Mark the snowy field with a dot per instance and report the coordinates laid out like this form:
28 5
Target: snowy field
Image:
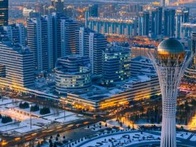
24 120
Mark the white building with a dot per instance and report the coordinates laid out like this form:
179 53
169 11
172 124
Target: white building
16 64
170 61
40 41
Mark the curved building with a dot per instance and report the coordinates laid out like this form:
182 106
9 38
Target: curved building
73 74
170 61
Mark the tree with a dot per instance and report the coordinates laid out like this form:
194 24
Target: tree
34 108
6 119
24 105
44 110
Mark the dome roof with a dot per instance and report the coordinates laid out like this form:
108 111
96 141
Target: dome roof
170 46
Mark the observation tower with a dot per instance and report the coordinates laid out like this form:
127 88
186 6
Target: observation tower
170 61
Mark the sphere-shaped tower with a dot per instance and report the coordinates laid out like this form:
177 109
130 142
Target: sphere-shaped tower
170 61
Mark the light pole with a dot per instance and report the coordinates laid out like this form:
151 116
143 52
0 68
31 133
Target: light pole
30 119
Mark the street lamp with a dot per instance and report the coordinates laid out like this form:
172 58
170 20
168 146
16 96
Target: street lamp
64 109
30 119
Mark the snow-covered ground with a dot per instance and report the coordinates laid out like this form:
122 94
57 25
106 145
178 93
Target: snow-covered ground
193 138
118 140
22 119
183 135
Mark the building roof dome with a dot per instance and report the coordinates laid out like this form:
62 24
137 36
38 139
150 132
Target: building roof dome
170 46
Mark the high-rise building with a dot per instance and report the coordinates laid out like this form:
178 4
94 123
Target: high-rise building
143 23
16 33
16 65
170 62
187 30
93 10
97 44
73 74
182 16
169 22
4 12
58 5
68 36
156 22
92 44
164 3
82 41
40 42
116 64
64 35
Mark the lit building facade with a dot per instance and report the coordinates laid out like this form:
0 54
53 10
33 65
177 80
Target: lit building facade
170 62
139 88
4 13
16 66
116 64
72 74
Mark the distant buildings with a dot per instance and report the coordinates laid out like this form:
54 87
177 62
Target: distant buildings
16 65
156 22
169 22
4 13
181 17
190 72
187 30
93 10
109 26
144 23
58 5
73 74
16 33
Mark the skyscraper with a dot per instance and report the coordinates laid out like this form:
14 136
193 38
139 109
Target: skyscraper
3 12
164 3
92 44
156 22
181 16
40 41
16 65
16 33
143 24
170 61
97 44
58 5
169 22
93 10
68 34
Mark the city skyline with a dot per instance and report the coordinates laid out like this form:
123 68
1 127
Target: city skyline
81 73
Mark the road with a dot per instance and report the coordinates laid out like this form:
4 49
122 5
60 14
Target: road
59 128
